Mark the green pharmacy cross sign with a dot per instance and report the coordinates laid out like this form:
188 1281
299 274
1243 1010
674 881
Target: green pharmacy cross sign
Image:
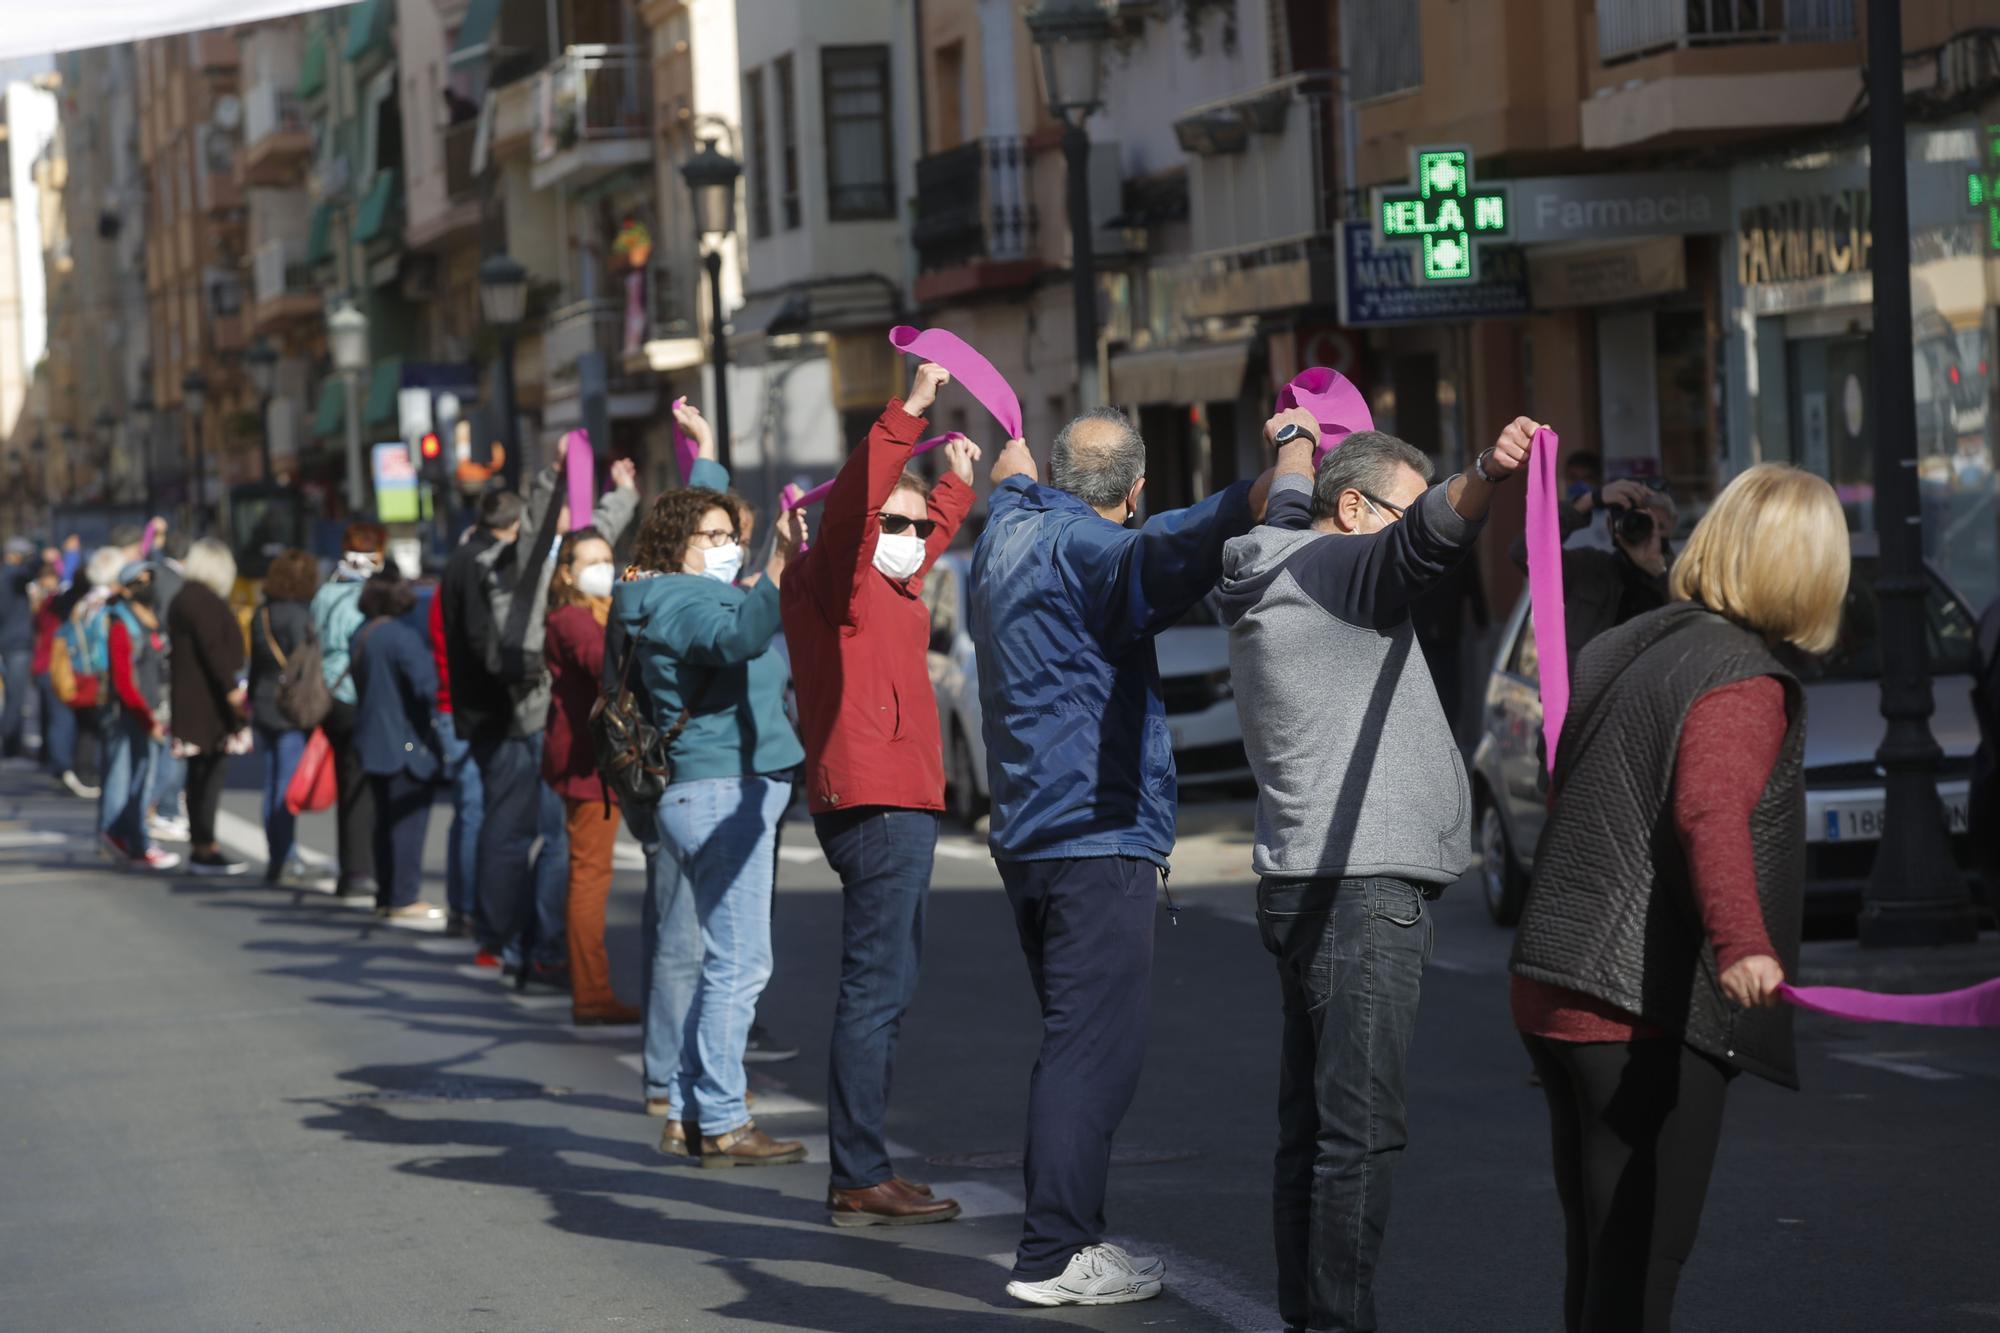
1982 189
1445 214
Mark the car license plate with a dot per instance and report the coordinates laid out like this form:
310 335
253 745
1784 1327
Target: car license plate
1862 821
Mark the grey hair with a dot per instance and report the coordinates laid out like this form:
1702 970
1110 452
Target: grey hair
102 570
213 565
1365 461
1101 468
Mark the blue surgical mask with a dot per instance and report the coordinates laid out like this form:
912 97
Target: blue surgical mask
723 563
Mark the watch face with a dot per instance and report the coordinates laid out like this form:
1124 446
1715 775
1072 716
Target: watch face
1292 431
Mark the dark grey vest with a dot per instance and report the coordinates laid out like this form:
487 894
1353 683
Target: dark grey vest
1611 911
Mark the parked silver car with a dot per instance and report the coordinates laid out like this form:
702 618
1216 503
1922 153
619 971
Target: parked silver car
1843 728
1194 684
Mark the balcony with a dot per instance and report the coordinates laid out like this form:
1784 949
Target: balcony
276 143
1629 28
672 337
975 220
600 325
1260 165
282 291
460 181
592 115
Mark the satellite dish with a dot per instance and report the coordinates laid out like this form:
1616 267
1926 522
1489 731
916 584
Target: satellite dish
229 112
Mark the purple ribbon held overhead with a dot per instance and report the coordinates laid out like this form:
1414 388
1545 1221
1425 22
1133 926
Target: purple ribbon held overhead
1545 587
1974 1007
972 371
1335 403
581 467
685 449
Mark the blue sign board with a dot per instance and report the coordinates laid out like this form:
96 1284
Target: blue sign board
1379 285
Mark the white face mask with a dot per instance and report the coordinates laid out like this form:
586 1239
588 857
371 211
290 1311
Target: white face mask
899 555
723 562
595 580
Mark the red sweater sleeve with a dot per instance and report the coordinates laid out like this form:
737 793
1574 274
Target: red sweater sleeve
1729 745
438 651
122 679
843 551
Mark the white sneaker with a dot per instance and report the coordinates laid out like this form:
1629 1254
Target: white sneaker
1145 1265
162 829
1097 1275
78 787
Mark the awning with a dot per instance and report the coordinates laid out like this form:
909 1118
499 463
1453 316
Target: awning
371 223
761 315
312 71
384 381
368 26
475 34
319 234
1193 373
332 411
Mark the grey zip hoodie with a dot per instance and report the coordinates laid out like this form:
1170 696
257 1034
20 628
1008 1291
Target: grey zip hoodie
1357 770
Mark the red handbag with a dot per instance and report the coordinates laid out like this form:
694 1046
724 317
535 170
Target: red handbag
312 786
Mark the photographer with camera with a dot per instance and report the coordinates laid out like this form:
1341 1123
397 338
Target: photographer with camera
1615 556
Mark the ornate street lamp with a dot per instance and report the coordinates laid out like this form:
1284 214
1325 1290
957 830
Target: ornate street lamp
262 362
347 333
711 177
194 396
503 300
1071 36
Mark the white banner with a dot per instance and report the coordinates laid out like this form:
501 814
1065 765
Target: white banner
33 28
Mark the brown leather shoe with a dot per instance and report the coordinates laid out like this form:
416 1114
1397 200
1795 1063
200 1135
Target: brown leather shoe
659 1106
748 1145
889 1204
914 1187
604 1015
674 1138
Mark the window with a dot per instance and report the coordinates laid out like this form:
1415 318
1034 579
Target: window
1385 54
951 94
788 139
759 131
854 90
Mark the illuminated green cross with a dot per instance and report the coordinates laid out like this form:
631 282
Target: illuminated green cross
1445 213
1982 190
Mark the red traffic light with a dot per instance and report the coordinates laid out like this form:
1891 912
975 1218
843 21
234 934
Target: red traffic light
430 446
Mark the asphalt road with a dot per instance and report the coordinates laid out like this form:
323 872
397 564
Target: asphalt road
232 1108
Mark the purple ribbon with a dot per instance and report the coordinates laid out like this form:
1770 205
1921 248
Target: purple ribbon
1974 1007
1545 587
818 493
1335 403
685 449
581 467
968 367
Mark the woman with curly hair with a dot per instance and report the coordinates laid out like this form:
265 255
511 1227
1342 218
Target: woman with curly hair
703 670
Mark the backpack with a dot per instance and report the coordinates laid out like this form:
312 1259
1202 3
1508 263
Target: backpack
634 757
72 673
303 697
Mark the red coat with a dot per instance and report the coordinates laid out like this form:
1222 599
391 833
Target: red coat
575 650
858 640
437 651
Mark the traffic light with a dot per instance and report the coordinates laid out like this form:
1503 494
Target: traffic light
430 456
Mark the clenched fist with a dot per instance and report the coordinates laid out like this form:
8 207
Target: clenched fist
1752 983
924 389
959 455
1509 453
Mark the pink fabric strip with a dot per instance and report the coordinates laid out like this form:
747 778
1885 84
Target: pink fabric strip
968 367
582 470
149 536
818 493
1545 587
685 449
1974 1007
1335 403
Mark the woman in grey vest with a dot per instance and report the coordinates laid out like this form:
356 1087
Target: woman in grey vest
1647 965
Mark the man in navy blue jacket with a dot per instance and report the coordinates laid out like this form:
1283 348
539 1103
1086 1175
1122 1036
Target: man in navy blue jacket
1066 599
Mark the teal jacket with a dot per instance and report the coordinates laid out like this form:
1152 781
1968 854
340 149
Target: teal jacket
336 614
707 647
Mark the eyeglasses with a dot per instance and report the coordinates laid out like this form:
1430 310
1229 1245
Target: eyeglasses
714 537
1396 511
898 524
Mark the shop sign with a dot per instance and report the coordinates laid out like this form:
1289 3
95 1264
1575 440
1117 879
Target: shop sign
395 484
1606 274
1550 209
1379 285
1795 240
1982 189
1444 217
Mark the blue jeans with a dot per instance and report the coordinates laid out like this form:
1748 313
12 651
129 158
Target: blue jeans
520 808
1351 956
168 781
128 773
58 729
17 667
468 812
883 858
402 816
721 832
670 964
282 751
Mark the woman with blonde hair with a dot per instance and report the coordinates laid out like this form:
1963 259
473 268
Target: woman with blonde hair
208 693
1667 896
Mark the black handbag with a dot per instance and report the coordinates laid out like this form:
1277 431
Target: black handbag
634 757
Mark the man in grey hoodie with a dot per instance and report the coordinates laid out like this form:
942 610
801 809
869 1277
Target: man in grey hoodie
1362 814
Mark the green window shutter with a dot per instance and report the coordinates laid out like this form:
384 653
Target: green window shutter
332 412
319 235
312 73
377 210
368 26
475 35
383 383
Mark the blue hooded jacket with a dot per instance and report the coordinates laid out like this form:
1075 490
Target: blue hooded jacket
1064 608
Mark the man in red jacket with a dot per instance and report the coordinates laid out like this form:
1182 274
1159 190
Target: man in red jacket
858 632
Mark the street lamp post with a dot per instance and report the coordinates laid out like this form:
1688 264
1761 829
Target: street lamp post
194 394
347 331
503 300
105 429
1071 35
262 361
711 177
1916 893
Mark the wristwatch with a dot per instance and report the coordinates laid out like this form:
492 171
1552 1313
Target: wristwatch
1290 431
1479 466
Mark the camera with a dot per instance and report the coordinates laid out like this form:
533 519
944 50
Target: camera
1631 524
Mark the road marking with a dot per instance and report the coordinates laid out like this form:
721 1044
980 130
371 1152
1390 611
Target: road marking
799 855
1895 1063
30 838
524 1000
245 837
959 851
981 1198
450 948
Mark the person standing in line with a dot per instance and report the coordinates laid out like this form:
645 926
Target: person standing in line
336 614
1647 963
468 805
281 628
135 657
22 563
1362 805
1066 600
703 664
854 616
81 607
58 720
208 691
580 602
395 682
166 804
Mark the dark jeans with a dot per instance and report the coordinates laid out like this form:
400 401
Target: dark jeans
58 729
282 752
883 858
204 793
402 816
17 665
354 813
1086 927
1635 1126
512 881
1351 956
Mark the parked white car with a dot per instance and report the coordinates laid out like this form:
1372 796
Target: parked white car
1194 684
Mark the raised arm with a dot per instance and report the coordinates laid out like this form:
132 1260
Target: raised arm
1134 584
842 555
951 499
728 633
617 507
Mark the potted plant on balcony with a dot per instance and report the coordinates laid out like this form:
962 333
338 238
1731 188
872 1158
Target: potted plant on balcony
633 247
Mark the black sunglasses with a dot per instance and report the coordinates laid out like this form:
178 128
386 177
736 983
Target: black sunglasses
1380 503
898 524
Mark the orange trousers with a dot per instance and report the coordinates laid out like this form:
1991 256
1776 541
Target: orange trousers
591 835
